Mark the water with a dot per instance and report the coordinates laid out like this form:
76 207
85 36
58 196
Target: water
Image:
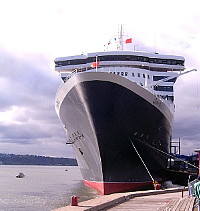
43 188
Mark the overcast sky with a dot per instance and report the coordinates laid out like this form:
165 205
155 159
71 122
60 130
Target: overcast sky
34 32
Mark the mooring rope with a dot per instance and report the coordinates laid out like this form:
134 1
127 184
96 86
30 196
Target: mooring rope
143 162
168 154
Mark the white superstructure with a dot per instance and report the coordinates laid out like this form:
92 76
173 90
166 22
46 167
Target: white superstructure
148 70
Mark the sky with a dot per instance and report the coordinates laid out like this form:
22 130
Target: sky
33 33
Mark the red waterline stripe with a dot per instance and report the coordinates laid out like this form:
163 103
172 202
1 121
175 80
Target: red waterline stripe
114 187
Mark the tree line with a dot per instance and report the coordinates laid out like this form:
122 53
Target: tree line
12 159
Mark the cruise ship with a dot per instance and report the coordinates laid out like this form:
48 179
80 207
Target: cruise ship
117 108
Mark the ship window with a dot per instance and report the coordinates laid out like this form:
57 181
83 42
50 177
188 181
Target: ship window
64 79
113 72
118 73
128 58
171 98
146 59
143 75
148 76
80 150
133 74
122 74
164 61
151 60
169 62
141 59
177 62
126 73
157 78
138 74
159 61
173 62
180 62
71 62
164 88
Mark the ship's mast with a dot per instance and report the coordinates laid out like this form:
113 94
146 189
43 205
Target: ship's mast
121 47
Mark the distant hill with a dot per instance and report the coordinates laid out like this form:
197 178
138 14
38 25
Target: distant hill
12 159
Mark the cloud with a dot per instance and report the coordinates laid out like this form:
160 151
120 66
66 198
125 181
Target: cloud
43 146
27 114
187 112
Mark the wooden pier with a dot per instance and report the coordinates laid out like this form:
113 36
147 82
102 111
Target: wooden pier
174 199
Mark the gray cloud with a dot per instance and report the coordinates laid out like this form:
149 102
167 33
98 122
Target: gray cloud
187 113
30 86
26 82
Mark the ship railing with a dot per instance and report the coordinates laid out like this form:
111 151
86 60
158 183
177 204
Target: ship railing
78 71
101 69
73 73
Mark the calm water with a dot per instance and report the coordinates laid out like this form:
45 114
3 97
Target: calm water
43 187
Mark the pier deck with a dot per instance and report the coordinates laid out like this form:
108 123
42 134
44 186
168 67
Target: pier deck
170 199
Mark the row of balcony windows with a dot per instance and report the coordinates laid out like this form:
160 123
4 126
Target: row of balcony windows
120 58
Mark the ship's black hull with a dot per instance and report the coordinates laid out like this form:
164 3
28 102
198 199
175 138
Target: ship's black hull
116 129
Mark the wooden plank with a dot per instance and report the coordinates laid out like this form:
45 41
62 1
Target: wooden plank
183 204
190 203
170 205
177 205
163 202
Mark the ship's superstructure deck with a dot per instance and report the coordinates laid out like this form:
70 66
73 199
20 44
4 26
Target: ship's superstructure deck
149 70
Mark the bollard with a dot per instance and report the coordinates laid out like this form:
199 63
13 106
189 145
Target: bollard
74 200
182 191
156 186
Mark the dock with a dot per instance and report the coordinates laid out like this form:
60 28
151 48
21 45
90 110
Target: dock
172 199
